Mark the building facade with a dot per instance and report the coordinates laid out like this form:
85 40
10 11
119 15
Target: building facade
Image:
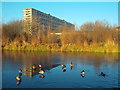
44 20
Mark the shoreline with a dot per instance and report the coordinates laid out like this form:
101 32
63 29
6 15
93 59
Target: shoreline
64 48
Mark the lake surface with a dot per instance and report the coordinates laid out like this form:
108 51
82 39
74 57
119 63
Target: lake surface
57 77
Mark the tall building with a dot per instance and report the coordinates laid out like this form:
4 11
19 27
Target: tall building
44 20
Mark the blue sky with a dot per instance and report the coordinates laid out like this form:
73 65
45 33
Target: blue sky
74 12
60 0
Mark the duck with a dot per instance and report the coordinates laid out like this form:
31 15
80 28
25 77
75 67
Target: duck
103 74
63 65
82 72
42 76
71 64
18 78
42 71
40 66
20 70
34 66
20 74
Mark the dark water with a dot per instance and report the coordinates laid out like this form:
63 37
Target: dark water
56 77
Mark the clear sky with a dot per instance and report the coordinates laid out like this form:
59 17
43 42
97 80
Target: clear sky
74 12
60 0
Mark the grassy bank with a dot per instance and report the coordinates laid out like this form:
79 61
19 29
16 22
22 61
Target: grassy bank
63 48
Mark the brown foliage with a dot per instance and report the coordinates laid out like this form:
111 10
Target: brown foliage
88 34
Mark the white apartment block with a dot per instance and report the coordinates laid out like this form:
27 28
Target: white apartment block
30 14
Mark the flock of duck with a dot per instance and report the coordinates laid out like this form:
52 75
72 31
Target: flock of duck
42 71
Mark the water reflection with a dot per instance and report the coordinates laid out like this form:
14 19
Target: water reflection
28 71
71 67
18 82
103 74
18 78
82 75
64 70
42 76
51 60
34 70
39 64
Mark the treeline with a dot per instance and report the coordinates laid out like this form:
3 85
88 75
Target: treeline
98 36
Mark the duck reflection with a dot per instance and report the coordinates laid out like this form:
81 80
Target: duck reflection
18 78
102 74
20 74
71 65
18 82
42 76
63 67
34 70
82 75
64 70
